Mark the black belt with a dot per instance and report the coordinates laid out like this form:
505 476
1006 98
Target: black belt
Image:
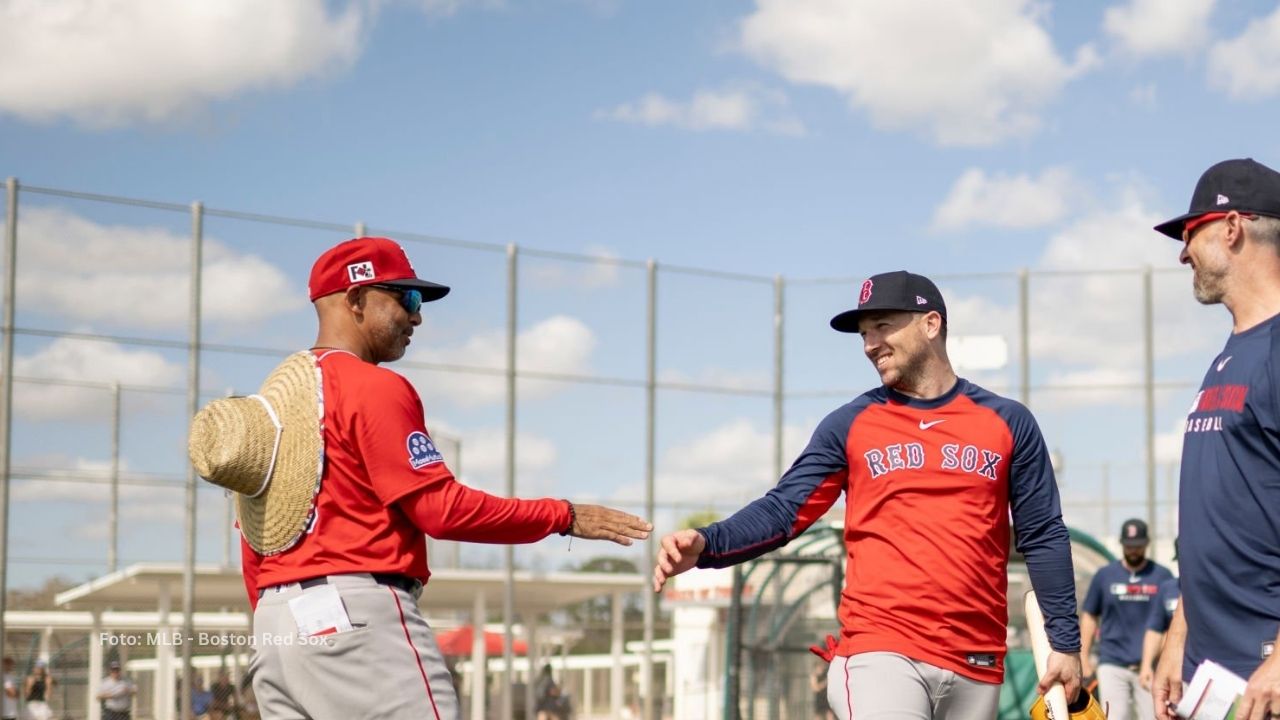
402 582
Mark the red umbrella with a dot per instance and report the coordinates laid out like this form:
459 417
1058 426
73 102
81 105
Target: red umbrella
459 641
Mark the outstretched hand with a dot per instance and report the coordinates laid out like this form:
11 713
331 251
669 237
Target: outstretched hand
678 552
597 522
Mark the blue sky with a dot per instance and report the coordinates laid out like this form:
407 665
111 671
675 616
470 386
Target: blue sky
804 138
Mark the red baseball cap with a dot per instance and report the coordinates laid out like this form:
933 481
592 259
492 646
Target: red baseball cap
368 261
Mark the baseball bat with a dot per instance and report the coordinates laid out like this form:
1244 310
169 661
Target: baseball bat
1055 700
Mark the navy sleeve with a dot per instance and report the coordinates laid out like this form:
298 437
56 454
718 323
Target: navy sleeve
1156 619
1040 534
1270 418
1161 616
1093 598
804 494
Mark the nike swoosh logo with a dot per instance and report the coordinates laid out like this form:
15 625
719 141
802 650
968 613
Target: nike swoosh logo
1223 363
926 425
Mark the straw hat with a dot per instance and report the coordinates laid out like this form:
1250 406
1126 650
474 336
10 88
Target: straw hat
268 449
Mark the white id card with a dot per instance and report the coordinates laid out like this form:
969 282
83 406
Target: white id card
320 612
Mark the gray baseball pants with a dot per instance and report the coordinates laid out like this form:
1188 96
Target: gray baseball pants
889 686
388 666
1117 685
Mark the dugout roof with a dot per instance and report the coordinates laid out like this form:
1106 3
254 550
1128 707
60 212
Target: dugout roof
142 587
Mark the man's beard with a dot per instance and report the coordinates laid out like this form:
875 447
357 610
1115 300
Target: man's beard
1206 285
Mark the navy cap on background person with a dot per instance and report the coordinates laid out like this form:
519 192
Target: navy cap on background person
1133 533
1244 185
898 290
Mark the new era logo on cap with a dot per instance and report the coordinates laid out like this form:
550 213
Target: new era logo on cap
1223 199
921 301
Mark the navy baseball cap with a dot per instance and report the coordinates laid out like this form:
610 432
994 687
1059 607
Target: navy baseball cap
1244 185
898 290
1134 533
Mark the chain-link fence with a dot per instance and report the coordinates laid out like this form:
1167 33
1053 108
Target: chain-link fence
660 389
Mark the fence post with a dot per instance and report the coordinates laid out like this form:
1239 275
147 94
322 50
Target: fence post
6 407
1024 339
1149 392
113 514
193 404
650 444
509 555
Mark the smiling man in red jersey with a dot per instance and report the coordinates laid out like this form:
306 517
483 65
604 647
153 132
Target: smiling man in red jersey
930 466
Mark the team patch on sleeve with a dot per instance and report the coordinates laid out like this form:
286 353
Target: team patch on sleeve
422 451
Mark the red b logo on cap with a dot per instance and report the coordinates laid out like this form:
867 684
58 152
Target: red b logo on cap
865 295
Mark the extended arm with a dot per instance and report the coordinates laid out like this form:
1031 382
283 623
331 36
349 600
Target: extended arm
1150 650
1166 685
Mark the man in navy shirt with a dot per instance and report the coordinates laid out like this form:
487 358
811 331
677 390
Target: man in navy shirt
1229 497
1121 595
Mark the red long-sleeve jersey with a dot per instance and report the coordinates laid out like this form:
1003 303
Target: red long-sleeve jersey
384 485
929 486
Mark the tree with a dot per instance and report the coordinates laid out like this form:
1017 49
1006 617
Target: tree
699 519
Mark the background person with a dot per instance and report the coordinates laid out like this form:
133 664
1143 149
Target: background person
223 703
1118 604
9 702
116 694
36 691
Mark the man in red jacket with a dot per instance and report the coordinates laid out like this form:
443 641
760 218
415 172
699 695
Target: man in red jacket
334 551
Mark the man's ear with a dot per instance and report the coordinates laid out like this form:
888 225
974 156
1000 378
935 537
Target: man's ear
933 324
1235 231
355 299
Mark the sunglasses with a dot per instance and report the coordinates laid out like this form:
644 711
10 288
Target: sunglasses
410 299
1190 226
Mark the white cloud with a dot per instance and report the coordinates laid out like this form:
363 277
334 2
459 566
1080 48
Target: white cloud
114 62
448 8
729 465
1248 65
559 344
742 109
85 361
1169 444
1096 317
1104 384
600 273
720 378
964 73
484 457
1086 322
87 483
1001 200
1158 27
139 276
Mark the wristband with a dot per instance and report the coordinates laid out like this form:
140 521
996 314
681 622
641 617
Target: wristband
573 519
